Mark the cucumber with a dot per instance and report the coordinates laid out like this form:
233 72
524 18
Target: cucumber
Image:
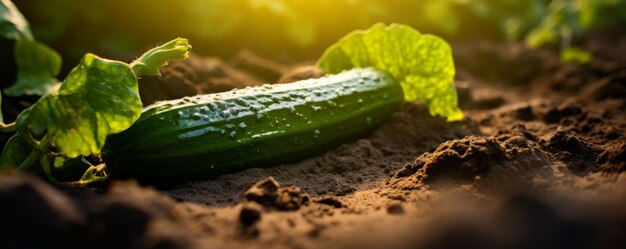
208 135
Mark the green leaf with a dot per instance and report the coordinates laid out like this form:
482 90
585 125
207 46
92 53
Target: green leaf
99 97
542 37
422 63
13 25
576 56
150 62
15 152
38 66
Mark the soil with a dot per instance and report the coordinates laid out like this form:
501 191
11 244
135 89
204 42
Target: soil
538 162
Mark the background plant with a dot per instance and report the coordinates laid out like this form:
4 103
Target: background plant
301 29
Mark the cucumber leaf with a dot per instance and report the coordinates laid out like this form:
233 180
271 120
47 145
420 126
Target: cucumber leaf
15 152
38 66
13 25
99 97
422 63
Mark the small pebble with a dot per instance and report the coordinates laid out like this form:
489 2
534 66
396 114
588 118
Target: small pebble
250 213
395 209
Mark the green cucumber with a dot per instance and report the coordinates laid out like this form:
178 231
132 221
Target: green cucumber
208 135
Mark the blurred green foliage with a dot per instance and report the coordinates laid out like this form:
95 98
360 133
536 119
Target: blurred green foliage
37 64
576 56
302 28
567 19
12 23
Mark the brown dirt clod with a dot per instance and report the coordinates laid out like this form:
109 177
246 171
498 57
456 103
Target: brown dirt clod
270 194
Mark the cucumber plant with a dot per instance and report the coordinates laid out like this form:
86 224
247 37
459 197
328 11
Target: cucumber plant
98 98
96 111
372 73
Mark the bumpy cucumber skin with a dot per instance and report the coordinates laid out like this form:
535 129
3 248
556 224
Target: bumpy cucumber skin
208 135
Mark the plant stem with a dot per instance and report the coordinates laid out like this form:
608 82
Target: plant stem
44 143
41 145
92 175
30 160
7 127
45 166
39 149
